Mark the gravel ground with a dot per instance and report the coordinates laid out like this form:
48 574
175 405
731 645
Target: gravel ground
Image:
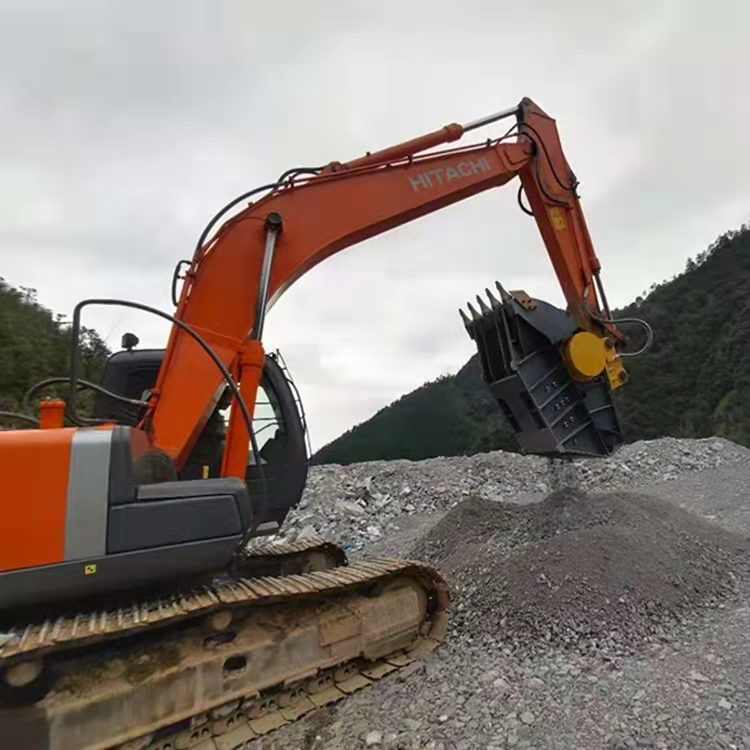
685 688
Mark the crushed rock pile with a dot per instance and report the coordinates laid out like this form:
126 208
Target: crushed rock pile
357 504
599 572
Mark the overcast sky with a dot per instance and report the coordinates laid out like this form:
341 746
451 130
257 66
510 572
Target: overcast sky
125 125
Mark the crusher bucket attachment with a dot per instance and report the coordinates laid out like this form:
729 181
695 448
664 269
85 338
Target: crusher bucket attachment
521 343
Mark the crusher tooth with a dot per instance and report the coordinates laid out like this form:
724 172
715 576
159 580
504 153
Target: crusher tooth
293 628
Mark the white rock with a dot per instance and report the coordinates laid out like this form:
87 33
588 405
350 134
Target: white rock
527 717
696 676
352 508
373 738
501 685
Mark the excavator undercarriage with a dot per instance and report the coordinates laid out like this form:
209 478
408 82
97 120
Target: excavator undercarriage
218 665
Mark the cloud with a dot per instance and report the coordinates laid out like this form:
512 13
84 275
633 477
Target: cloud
125 126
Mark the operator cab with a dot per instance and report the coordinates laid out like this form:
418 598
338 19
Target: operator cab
277 423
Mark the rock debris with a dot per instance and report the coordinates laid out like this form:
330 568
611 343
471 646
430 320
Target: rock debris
586 611
357 504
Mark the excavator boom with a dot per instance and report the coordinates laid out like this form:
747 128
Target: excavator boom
258 253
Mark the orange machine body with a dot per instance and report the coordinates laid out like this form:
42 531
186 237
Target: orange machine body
35 467
77 522
57 492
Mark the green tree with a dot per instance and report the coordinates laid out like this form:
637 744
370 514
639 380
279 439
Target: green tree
35 344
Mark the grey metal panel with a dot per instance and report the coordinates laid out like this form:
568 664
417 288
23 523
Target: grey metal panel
88 494
179 520
185 488
127 571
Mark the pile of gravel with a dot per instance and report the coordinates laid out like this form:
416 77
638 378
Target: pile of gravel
591 571
358 504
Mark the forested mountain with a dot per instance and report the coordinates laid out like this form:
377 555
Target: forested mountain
694 381
35 344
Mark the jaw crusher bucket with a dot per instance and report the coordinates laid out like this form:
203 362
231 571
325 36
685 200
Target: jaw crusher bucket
521 343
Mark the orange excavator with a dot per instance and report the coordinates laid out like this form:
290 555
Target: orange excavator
143 604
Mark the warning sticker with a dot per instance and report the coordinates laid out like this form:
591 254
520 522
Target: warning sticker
557 218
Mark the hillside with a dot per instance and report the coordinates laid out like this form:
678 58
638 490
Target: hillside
695 379
35 344
693 382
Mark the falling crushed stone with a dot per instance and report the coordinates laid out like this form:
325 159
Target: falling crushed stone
601 571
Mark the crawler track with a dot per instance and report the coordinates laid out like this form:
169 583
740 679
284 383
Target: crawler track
38 637
216 666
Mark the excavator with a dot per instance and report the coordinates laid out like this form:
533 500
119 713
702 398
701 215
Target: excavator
147 601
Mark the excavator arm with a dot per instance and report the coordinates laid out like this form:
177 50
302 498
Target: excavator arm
238 274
